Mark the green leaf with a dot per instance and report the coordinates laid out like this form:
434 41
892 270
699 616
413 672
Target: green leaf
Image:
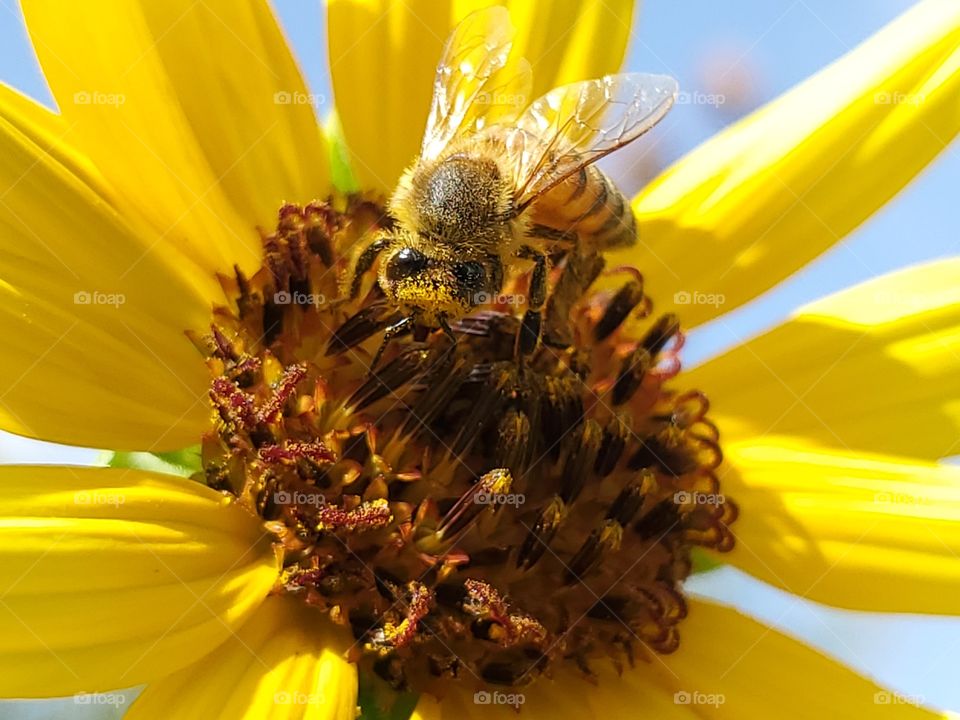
703 561
404 706
341 172
378 702
184 463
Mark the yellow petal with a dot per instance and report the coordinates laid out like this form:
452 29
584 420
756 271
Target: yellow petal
112 578
566 696
764 197
93 321
285 663
182 107
728 667
383 56
47 131
858 531
875 367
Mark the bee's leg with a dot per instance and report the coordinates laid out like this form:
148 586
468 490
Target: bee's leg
364 263
389 334
529 333
447 330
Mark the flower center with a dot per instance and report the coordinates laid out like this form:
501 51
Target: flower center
467 514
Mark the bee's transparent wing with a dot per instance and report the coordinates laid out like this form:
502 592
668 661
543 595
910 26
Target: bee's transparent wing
474 86
575 125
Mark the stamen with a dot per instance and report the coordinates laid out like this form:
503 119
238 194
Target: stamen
465 515
480 497
284 390
371 515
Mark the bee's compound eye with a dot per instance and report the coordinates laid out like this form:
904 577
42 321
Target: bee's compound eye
405 263
470 274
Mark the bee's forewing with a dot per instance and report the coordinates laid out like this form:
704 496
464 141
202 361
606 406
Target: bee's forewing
575 125
475 86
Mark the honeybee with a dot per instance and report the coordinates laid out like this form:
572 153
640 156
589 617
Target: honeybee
501 183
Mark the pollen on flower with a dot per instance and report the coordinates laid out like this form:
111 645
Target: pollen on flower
467 515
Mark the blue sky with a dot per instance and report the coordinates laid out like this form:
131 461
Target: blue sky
780 42
785 41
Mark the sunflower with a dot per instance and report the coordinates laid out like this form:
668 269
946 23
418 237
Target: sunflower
171 251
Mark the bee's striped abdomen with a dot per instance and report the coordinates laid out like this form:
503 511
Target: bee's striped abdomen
587 207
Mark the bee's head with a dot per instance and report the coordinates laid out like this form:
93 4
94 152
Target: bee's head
431 286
